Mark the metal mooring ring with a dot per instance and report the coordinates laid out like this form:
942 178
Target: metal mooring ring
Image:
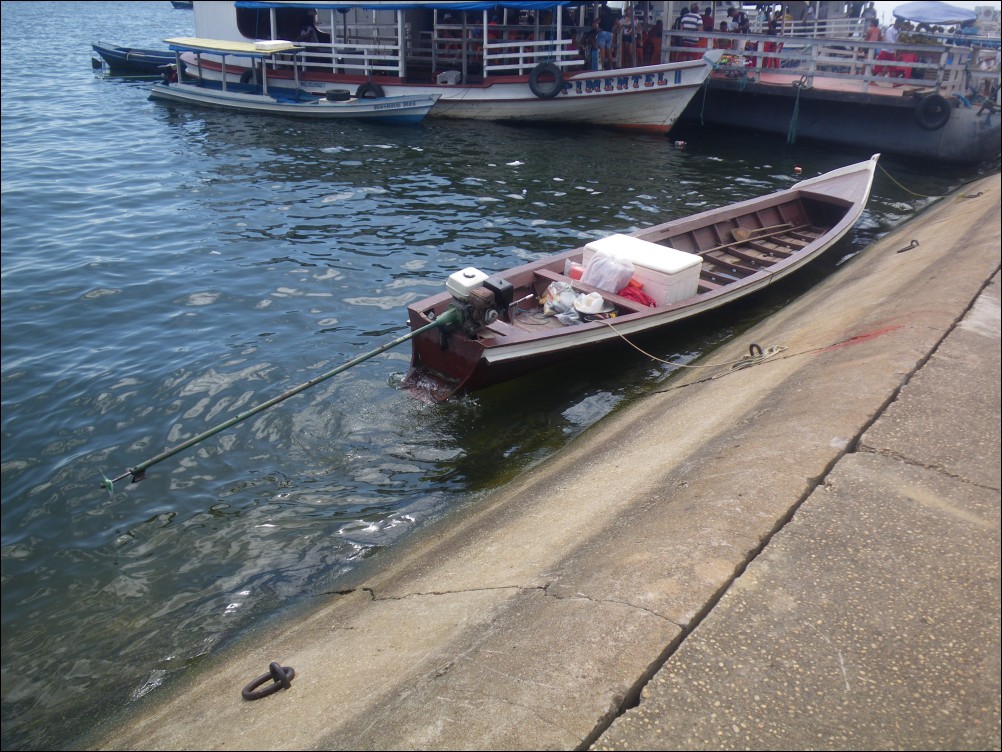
281 677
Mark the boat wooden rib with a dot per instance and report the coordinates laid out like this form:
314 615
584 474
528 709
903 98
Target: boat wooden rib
499 329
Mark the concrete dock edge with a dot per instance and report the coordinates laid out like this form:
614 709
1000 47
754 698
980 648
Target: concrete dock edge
800 554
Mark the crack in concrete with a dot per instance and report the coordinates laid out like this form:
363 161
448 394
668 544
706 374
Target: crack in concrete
941 470
582 596
852 446
376 597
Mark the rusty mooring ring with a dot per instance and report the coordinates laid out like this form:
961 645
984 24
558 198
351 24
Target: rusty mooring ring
281 677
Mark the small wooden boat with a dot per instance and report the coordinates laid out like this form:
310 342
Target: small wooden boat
251 96
495 327
133 61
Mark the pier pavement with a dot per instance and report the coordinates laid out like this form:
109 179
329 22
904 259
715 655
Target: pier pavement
801 554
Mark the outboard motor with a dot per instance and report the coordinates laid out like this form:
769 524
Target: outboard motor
481 298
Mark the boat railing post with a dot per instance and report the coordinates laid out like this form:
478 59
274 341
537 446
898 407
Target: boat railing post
812 52
401 51
867 69
944 60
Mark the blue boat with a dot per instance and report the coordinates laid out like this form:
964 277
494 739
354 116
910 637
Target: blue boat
133 61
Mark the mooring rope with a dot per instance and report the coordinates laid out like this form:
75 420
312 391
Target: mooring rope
755 355
138 472
791 133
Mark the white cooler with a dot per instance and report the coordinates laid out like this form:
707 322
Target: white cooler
669 275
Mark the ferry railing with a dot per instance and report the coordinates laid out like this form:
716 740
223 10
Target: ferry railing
944 68
518 57
352 58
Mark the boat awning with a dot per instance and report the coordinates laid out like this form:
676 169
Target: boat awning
934 13
222 47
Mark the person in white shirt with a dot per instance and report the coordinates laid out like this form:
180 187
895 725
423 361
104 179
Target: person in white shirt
891 34
691 24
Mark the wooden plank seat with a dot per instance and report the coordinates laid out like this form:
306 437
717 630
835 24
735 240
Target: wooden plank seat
731 266
763 248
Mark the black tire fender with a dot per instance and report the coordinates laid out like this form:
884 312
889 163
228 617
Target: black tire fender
932 112
369 90
547 88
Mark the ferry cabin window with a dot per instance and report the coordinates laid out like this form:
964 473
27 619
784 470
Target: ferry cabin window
255 23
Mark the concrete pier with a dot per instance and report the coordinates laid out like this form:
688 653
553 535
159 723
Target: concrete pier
801 554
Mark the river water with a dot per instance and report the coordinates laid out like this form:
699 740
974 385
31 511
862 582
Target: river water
166 267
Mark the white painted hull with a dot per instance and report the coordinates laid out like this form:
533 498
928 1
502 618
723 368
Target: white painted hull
649 98
391 109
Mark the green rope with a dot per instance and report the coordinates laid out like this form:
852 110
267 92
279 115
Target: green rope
791 134
450 316
920 195
706 88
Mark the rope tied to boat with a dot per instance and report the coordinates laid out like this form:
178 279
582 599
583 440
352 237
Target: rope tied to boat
706 89
755 356
138 472
791 133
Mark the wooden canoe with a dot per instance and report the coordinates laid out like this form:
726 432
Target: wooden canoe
499 330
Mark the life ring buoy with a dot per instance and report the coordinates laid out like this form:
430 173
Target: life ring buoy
552 83
932 112
369 90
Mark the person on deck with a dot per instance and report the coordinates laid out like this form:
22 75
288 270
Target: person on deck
739 20
708 19
773 30
607 20
721 43
309 31
691 25
873 31
891 35
652 43
673 39
630 28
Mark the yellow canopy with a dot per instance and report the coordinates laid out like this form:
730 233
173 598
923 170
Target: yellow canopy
263 48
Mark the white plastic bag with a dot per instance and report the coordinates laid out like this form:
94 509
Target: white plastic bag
558 298
608 272
589 304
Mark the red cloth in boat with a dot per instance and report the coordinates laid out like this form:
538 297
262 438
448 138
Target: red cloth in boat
633 293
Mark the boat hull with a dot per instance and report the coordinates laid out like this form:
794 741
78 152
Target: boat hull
774 235
650 98
133 61
405 109
891 125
